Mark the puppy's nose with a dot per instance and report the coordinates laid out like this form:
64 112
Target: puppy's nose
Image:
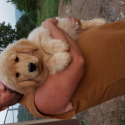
31 67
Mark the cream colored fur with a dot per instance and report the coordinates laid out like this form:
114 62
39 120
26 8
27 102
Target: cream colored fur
48 56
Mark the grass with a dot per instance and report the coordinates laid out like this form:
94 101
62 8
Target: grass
47 9
122 115
66 1
84 122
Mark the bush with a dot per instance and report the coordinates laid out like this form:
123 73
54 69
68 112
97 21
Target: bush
24 26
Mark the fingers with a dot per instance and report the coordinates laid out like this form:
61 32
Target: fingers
76 24
49 21
77 21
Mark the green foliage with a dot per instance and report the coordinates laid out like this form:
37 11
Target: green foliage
123 121
24 26
29 7
48 8
122 114
32 17
66 1
7 35
84 122
26 5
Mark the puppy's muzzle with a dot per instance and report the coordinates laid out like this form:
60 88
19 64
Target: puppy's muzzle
31 67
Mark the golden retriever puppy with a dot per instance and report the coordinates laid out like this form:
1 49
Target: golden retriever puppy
28 62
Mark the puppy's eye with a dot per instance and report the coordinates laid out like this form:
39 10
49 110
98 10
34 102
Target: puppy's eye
17 75
16 59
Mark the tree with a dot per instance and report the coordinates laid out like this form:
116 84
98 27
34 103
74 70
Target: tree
7 35
26 5
23 27
30 7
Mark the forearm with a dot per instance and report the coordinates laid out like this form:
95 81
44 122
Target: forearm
53 29
58 33
58 89
73 74
75 70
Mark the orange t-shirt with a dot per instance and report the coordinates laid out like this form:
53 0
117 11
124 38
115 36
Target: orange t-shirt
103 48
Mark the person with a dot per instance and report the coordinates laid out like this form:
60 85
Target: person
8 97
91 79
55 80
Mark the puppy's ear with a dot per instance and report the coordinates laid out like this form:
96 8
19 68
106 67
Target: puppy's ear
27 83
23 45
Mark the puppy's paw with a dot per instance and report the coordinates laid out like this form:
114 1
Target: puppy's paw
59 62
75 24
59 46
92 23
99 21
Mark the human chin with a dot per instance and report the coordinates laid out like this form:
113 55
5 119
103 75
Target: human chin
14 95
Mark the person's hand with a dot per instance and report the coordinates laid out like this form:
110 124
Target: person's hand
76 23
74 20
49 22
54 95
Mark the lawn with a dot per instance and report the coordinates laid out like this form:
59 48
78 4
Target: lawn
47 8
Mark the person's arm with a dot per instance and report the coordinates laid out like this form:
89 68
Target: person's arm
57 33
53 97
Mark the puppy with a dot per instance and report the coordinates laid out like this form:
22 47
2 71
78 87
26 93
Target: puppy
28 62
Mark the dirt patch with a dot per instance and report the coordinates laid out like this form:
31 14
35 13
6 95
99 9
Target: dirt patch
113 111
111 10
